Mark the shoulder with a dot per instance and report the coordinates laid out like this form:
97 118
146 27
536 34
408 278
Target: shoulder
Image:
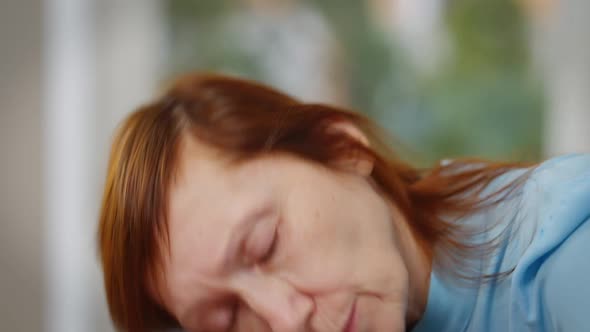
557 207
563 168
558 194
566 287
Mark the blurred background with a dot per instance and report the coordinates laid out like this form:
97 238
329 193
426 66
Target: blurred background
500 79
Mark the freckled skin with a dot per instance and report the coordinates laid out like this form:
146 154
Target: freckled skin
332 241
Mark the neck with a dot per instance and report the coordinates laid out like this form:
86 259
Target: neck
416 254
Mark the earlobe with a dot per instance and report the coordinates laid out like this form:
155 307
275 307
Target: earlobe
358 162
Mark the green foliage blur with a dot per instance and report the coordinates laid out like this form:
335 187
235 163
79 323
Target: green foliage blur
484 101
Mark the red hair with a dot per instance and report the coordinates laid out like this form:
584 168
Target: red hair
246 119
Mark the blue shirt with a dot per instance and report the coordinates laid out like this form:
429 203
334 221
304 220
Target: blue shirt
549 249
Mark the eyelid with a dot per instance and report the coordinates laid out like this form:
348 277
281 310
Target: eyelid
272 248
261 242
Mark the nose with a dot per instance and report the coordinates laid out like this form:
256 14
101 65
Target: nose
276 301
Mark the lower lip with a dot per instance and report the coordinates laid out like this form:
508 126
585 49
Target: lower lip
351 323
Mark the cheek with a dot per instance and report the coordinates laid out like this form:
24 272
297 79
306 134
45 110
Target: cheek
329 248
336 231
322 251
313 264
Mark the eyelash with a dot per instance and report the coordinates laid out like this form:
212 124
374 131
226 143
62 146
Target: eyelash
271 250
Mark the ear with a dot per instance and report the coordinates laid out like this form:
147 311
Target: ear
356 162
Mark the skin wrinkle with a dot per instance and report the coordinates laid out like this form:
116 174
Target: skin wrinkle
270 280
292 273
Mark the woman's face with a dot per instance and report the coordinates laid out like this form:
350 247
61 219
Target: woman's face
279 244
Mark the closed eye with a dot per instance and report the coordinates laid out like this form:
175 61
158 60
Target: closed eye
262 242
271 249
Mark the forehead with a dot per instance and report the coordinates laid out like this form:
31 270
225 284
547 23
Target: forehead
197 230
195 200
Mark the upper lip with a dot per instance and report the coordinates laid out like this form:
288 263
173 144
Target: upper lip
350 320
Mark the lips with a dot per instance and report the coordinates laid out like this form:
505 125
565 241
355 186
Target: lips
351 321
